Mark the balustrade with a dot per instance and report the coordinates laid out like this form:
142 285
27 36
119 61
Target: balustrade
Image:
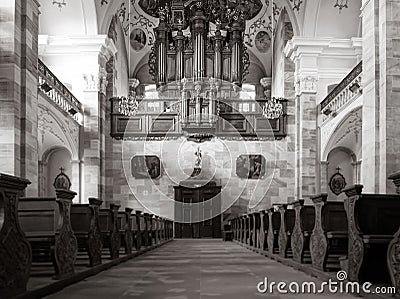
346 91
58 93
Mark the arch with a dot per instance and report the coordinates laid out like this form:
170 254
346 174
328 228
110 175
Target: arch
293 18
330 144
341 163
51 162
60 129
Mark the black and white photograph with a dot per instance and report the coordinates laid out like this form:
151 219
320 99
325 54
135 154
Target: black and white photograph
199 149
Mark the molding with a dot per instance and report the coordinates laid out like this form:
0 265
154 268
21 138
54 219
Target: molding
72 45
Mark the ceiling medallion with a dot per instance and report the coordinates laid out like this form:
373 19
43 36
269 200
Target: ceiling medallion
341 4
60 4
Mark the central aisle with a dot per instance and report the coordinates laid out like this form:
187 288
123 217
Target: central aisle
190 269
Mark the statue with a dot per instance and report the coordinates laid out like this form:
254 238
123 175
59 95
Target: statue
197 163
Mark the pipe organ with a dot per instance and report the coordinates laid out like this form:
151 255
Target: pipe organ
198 63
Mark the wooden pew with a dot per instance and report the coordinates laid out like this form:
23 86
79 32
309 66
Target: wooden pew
251 229
125 230
162 232
15 264
247 229
373 219
274 225
393 259
304 225
147 229
86 227
256 229
262 238
287 217
135 231
328 241
108 219
158 229
47 226
241 229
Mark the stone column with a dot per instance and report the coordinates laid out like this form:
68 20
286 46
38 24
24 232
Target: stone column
18 90
370 111
389 93
95 106
324 181
76 179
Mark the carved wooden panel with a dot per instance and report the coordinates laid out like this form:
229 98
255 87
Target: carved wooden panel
297 234
115 239
95 240
393 260
283 238
318 241
66 245
15 251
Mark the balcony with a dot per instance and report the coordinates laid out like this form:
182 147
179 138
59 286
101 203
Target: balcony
59 94
348 90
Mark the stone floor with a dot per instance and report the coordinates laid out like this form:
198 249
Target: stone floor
191 269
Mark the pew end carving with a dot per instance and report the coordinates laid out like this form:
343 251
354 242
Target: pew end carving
328 241
15 250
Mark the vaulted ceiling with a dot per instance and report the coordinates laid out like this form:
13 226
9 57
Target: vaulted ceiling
309 18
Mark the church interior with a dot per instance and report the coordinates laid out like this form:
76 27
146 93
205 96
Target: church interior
190 148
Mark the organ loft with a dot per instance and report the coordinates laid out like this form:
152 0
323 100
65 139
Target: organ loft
181 148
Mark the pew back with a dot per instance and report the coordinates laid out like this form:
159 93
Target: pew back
39 216
290 218
307 215
377 214
80 218
334 217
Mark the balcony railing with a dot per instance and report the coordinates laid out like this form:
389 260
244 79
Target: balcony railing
346 91
58 93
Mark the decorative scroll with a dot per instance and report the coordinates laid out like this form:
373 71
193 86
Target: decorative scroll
318 241
356 246
15 251
66 245
297 236
115 239
393 260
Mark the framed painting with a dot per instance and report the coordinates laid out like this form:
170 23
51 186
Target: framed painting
146 166
250 166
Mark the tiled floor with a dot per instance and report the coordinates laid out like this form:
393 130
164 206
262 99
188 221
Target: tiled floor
191 269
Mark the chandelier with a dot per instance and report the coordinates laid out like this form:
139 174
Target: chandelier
60 3
129 105
341 4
